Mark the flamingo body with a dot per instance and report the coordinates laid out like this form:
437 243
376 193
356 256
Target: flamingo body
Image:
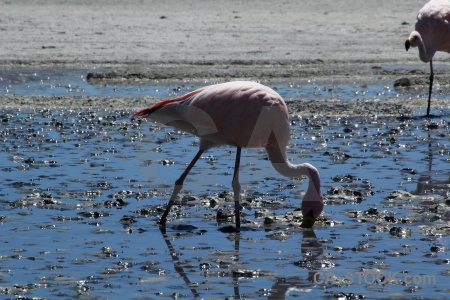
226 114
431 34
240 114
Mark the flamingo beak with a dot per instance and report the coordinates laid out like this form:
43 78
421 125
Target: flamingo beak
407 44
308 220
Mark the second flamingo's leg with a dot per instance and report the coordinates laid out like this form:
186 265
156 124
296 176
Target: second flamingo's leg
430 89
177 187
237 188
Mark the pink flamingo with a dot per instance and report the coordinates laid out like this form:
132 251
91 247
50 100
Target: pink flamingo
432 34
240 114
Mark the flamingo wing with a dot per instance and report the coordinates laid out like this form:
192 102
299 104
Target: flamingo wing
237 113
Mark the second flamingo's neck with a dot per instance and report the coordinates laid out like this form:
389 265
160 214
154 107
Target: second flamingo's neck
424 54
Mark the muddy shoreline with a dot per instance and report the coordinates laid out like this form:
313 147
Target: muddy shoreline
364 71
207 72
330 73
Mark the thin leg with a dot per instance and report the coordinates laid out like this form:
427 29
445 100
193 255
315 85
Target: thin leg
237 188
177 187
430 88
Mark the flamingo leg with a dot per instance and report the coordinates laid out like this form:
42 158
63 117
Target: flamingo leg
177 187
430 88
237 188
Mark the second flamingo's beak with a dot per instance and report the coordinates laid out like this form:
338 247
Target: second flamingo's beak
308 220
407 44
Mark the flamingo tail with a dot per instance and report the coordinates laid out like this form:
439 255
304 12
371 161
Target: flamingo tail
149 110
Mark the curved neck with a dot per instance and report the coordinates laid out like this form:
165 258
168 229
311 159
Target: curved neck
423 53
313 199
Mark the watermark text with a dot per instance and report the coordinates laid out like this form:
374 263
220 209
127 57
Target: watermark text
374 277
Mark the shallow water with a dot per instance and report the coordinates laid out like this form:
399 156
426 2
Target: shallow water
82 191
73 82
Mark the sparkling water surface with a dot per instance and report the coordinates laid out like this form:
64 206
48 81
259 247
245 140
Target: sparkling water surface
82 192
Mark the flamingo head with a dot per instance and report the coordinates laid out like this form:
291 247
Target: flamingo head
413 40
312 207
